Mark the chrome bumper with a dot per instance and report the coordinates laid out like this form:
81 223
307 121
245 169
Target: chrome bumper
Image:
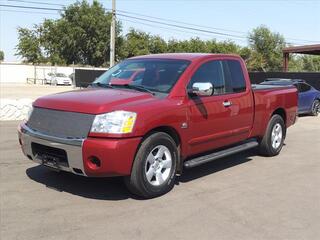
72 147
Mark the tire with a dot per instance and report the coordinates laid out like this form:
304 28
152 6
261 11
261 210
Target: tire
153 174
315 107
272 142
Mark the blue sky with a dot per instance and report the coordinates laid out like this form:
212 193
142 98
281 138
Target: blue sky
296 20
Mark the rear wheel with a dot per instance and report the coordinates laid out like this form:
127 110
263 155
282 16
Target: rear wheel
273 139
154 168
315 107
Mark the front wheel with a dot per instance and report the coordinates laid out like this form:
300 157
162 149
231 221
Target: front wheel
272 141
315 108
154 168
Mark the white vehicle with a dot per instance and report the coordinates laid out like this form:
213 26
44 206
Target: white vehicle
57 79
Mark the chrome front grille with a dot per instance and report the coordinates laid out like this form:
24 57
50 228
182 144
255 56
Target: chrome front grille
61 124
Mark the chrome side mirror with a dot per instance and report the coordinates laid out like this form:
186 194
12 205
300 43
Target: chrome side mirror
202 89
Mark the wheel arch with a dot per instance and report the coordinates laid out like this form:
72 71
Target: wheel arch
281 112
316 98
174 134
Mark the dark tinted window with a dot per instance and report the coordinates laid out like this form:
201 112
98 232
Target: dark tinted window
304 87
234 75
125 74
159 75
210 72
297 86
139 76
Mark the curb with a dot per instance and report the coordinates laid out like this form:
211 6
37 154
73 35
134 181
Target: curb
14 109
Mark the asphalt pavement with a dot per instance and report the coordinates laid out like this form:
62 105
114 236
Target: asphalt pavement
244 196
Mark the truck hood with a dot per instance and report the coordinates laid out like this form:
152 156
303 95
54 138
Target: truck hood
92 100
63 78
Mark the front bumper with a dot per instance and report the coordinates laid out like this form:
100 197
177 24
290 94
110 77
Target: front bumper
115 155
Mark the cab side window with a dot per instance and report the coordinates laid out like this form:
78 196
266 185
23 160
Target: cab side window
212 72
234 75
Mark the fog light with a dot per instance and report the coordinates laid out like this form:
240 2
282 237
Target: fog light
94 162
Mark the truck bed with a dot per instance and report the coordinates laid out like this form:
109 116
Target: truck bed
267 99
257 87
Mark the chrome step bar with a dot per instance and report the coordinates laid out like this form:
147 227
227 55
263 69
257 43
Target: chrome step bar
220 154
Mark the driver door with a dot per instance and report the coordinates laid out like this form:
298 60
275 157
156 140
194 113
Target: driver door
213 122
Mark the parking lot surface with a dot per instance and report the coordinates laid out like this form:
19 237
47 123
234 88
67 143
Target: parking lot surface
16 99
18 91
244 196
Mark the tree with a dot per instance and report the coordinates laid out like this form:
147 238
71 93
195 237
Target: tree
267 50
201 46
245 53
81 36
157 45
1 55
311 63
29 45
84 32
136 43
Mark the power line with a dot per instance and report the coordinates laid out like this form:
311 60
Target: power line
36 2
29 7
201 26
19 11
180 22
149 20
137 18
175 30
191 28
183 27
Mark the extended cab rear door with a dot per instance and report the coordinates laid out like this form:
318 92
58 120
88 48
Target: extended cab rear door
226 117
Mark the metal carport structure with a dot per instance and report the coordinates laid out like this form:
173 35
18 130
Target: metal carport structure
306 49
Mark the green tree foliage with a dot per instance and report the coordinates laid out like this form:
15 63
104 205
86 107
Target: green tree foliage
266 50
140 43
311 63
80 36
157 45
304 63
1 55
29 45
136 43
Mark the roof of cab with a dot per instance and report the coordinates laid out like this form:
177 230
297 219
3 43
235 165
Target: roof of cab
182 56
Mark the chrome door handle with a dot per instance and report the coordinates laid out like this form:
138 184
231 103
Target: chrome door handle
227 103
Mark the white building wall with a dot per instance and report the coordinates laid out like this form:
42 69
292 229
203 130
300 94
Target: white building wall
19 73
14 73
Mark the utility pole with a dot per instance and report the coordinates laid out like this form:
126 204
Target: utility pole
113 33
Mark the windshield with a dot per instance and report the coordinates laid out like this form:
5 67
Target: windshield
125 74
60 75
156 75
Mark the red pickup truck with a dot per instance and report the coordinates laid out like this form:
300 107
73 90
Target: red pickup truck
180 111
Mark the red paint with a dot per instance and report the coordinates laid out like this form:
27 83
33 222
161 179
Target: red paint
210 125
116 156
123 81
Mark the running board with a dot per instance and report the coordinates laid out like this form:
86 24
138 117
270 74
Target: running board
220 154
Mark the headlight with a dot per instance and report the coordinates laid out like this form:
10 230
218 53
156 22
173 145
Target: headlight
114 122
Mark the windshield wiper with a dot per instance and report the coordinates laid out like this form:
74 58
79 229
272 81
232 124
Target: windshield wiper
135 87
99 84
